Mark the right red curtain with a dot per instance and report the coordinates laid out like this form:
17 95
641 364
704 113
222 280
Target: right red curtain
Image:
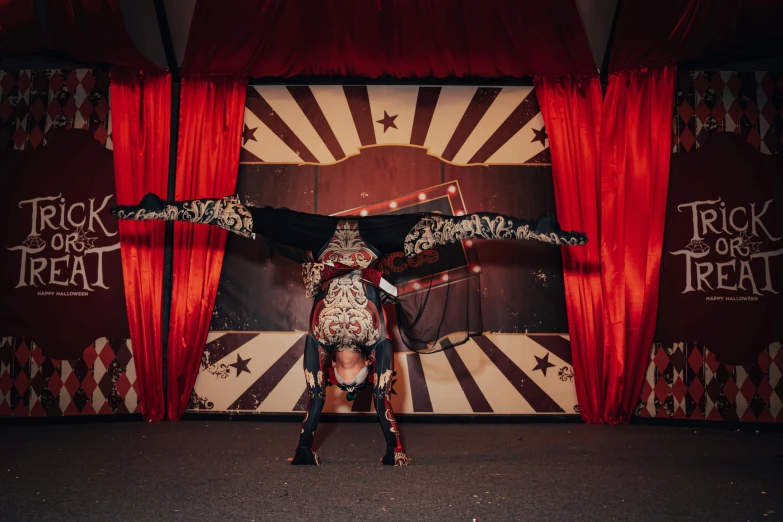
636 145
610 163
572 112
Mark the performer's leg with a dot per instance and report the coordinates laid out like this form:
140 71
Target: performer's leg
315 367
384 362
227 212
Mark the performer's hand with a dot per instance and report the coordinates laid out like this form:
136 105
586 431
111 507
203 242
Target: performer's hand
150 202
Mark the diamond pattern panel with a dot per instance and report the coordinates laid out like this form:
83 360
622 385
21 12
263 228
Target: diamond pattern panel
33 102
101 382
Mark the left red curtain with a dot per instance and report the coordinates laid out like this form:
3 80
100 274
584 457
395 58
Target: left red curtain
141 116
212 110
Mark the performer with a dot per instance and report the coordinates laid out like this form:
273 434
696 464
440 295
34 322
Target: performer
342 268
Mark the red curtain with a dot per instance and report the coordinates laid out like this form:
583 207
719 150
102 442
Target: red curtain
210 129
702 32
425 38
141 117
636 146
20 31
572 112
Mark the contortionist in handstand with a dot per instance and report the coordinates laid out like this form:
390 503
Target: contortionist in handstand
347 344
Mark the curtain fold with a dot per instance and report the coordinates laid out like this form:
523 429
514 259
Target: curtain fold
141 117
572 111
210 129
20 32
426 38
635 153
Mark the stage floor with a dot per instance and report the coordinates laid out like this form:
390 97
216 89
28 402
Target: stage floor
213 470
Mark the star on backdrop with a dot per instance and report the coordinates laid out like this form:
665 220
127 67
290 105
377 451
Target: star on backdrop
387 121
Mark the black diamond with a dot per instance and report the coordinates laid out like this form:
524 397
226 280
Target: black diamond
6 353
80 399
756 374
123 355
677 359
38 383
757 405
47 368
81 370
115 401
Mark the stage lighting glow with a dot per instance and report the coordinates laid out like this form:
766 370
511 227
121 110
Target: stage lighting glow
469 243
393 204
416 286
363 212
452 189
422 196
477 269
445 277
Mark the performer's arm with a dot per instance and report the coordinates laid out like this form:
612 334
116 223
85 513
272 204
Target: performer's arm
227 213
436 229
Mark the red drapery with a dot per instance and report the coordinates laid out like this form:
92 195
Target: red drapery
572 112
702 32
635 152
20 31
211 116
610 162
141 118
426 38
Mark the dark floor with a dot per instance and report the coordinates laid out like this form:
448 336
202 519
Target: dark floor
211 470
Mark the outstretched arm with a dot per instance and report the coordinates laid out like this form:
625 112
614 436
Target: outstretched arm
437 229
227 213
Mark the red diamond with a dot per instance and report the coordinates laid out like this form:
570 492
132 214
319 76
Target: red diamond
712 362
38 109
54 109
696 390
105 409
21 410
86 109
71 409
765 416
678 389
730 390
89 385
6 109
702 111
769 112
102 109
647 391
20 136
643 413
69 109
38 356
767 84
764 360
717 84
23 353
764 390
123 385
679 414
36 136
695 359
719 112
685 111
714 414
5 383
72 82
778 359
662 413
700 83
748 416
735 111
37 410
72 384
88 409
89 355
55 82
734 84
662 389
752 112
697 413
687 139
748 390
22 383
88 82
661 359
106 355
55 384
23 83
101 135
5 409
754 138
7 83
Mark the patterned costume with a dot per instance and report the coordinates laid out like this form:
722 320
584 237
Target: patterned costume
343 260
